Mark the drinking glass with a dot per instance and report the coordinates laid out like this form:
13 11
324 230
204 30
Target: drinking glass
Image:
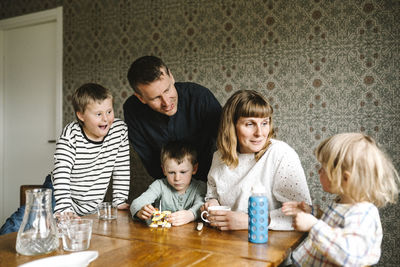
107 211
76 234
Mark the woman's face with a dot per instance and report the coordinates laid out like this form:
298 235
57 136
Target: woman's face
252 134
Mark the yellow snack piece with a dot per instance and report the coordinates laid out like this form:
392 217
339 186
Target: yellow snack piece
160 219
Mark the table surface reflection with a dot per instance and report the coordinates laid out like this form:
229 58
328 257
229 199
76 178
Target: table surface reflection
125 242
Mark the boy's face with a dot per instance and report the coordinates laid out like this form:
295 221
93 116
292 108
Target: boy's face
179 175
97 119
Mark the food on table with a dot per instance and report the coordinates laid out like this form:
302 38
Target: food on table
160 219
199 226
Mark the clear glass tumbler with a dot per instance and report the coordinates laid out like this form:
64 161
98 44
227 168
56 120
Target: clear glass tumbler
107 211
76 234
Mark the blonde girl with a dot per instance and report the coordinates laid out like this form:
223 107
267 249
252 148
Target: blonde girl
349 232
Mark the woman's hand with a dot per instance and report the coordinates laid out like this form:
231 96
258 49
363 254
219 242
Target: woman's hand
209 203
228 220
180 217
304 221
292 208
146 212
123 206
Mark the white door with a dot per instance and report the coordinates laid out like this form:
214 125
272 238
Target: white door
31 101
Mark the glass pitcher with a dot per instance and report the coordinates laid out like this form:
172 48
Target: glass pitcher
38 231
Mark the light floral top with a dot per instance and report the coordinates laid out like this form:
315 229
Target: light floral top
279 171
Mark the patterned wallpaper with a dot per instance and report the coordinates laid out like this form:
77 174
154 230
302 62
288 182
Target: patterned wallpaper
326 66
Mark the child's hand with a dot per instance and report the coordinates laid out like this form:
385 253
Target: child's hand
123 206
146 212
303 221
211 202
292 208
180 217
65 215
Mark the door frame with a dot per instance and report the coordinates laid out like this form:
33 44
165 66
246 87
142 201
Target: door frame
51 15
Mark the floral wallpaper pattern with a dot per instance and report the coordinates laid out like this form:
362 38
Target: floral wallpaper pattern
326 66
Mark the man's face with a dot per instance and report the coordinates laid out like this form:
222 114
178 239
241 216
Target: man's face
160 95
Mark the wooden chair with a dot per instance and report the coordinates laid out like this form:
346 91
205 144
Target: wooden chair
22 190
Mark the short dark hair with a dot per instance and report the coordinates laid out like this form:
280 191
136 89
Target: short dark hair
178 150
145 70
89 92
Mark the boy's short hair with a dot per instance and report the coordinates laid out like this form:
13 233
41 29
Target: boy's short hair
89 92
178 151
145 70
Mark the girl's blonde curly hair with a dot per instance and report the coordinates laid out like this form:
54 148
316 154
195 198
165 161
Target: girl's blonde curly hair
372 176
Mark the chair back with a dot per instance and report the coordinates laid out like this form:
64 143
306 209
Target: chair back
22 190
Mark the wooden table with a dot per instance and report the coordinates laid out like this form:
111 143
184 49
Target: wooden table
124 242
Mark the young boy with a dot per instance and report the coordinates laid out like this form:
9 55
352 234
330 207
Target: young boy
177 192
89 152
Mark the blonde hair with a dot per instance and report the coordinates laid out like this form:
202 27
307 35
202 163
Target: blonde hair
88 93
243 103
372 176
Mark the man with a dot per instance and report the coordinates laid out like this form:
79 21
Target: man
161 111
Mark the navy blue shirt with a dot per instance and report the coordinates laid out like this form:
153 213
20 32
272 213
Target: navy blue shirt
196 121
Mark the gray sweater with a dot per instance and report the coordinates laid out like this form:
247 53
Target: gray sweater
161 190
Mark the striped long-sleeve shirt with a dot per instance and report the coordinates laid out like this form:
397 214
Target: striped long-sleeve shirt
346 235
83 168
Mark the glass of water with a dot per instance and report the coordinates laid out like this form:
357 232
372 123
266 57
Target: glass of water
76 234
107 211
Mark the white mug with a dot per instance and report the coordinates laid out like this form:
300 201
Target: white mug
227 208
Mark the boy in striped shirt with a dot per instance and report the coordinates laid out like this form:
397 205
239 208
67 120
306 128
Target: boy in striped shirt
89 152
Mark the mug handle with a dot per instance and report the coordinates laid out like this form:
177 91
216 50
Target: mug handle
204 219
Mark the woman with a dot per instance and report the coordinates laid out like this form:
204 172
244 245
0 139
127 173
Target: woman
248 157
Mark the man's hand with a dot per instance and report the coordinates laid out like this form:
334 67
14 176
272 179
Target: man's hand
180 217
146 212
